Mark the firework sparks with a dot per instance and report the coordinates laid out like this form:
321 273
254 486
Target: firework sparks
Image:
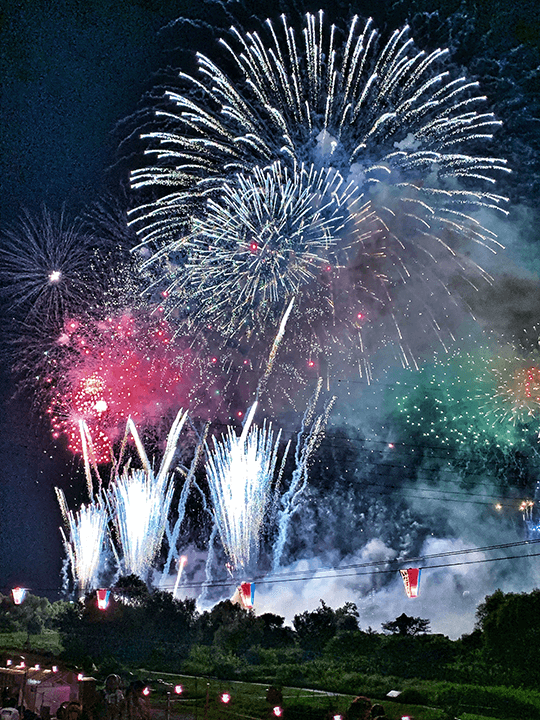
240 471
474 400
517 393
85 541
139 502
124 366
308 440
335 172
50 267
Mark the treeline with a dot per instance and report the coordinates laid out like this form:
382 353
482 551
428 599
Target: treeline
151 629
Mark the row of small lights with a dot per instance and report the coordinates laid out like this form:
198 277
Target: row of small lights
224 697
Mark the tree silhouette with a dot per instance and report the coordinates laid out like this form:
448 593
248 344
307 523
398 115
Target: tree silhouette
406 625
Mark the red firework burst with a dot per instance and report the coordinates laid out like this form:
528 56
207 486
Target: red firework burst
122 366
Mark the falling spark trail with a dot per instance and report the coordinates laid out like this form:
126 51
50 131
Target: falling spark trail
181 564
209 563
89 458
274 350
308 439
172 537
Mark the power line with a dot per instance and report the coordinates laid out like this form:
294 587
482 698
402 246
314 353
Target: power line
337 572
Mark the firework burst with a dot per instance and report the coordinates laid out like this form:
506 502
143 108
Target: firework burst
474 400
340 169
51 267
127 365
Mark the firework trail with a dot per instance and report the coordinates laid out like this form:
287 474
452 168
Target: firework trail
182 561
274 349
240 471
209 563
139 503
172 537
307 442
344 172
85 541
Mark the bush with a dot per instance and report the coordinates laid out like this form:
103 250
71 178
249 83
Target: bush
412 696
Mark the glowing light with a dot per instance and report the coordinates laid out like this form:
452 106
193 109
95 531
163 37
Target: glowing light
55 276
146 691
411 580
225 698
101 406
178 689
103 596
277 711
526 509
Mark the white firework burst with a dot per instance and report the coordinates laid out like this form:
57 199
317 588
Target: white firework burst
336 153
49 267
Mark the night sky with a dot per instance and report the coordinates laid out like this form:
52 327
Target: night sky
71 73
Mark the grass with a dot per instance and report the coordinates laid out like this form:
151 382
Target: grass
200 699
48 641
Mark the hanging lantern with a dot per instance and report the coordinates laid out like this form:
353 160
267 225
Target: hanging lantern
103 599
244 595
411 579
18 594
